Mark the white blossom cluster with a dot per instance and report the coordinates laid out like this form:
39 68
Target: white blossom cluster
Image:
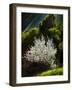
42 53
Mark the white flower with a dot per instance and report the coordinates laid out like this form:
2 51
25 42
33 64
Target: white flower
41 52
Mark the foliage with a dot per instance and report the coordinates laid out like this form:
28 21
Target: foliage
47 23
42 53
56 71
29 34
52 27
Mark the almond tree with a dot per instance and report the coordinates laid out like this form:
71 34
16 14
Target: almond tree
42 53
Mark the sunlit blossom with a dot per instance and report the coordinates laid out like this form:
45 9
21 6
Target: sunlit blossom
42 53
